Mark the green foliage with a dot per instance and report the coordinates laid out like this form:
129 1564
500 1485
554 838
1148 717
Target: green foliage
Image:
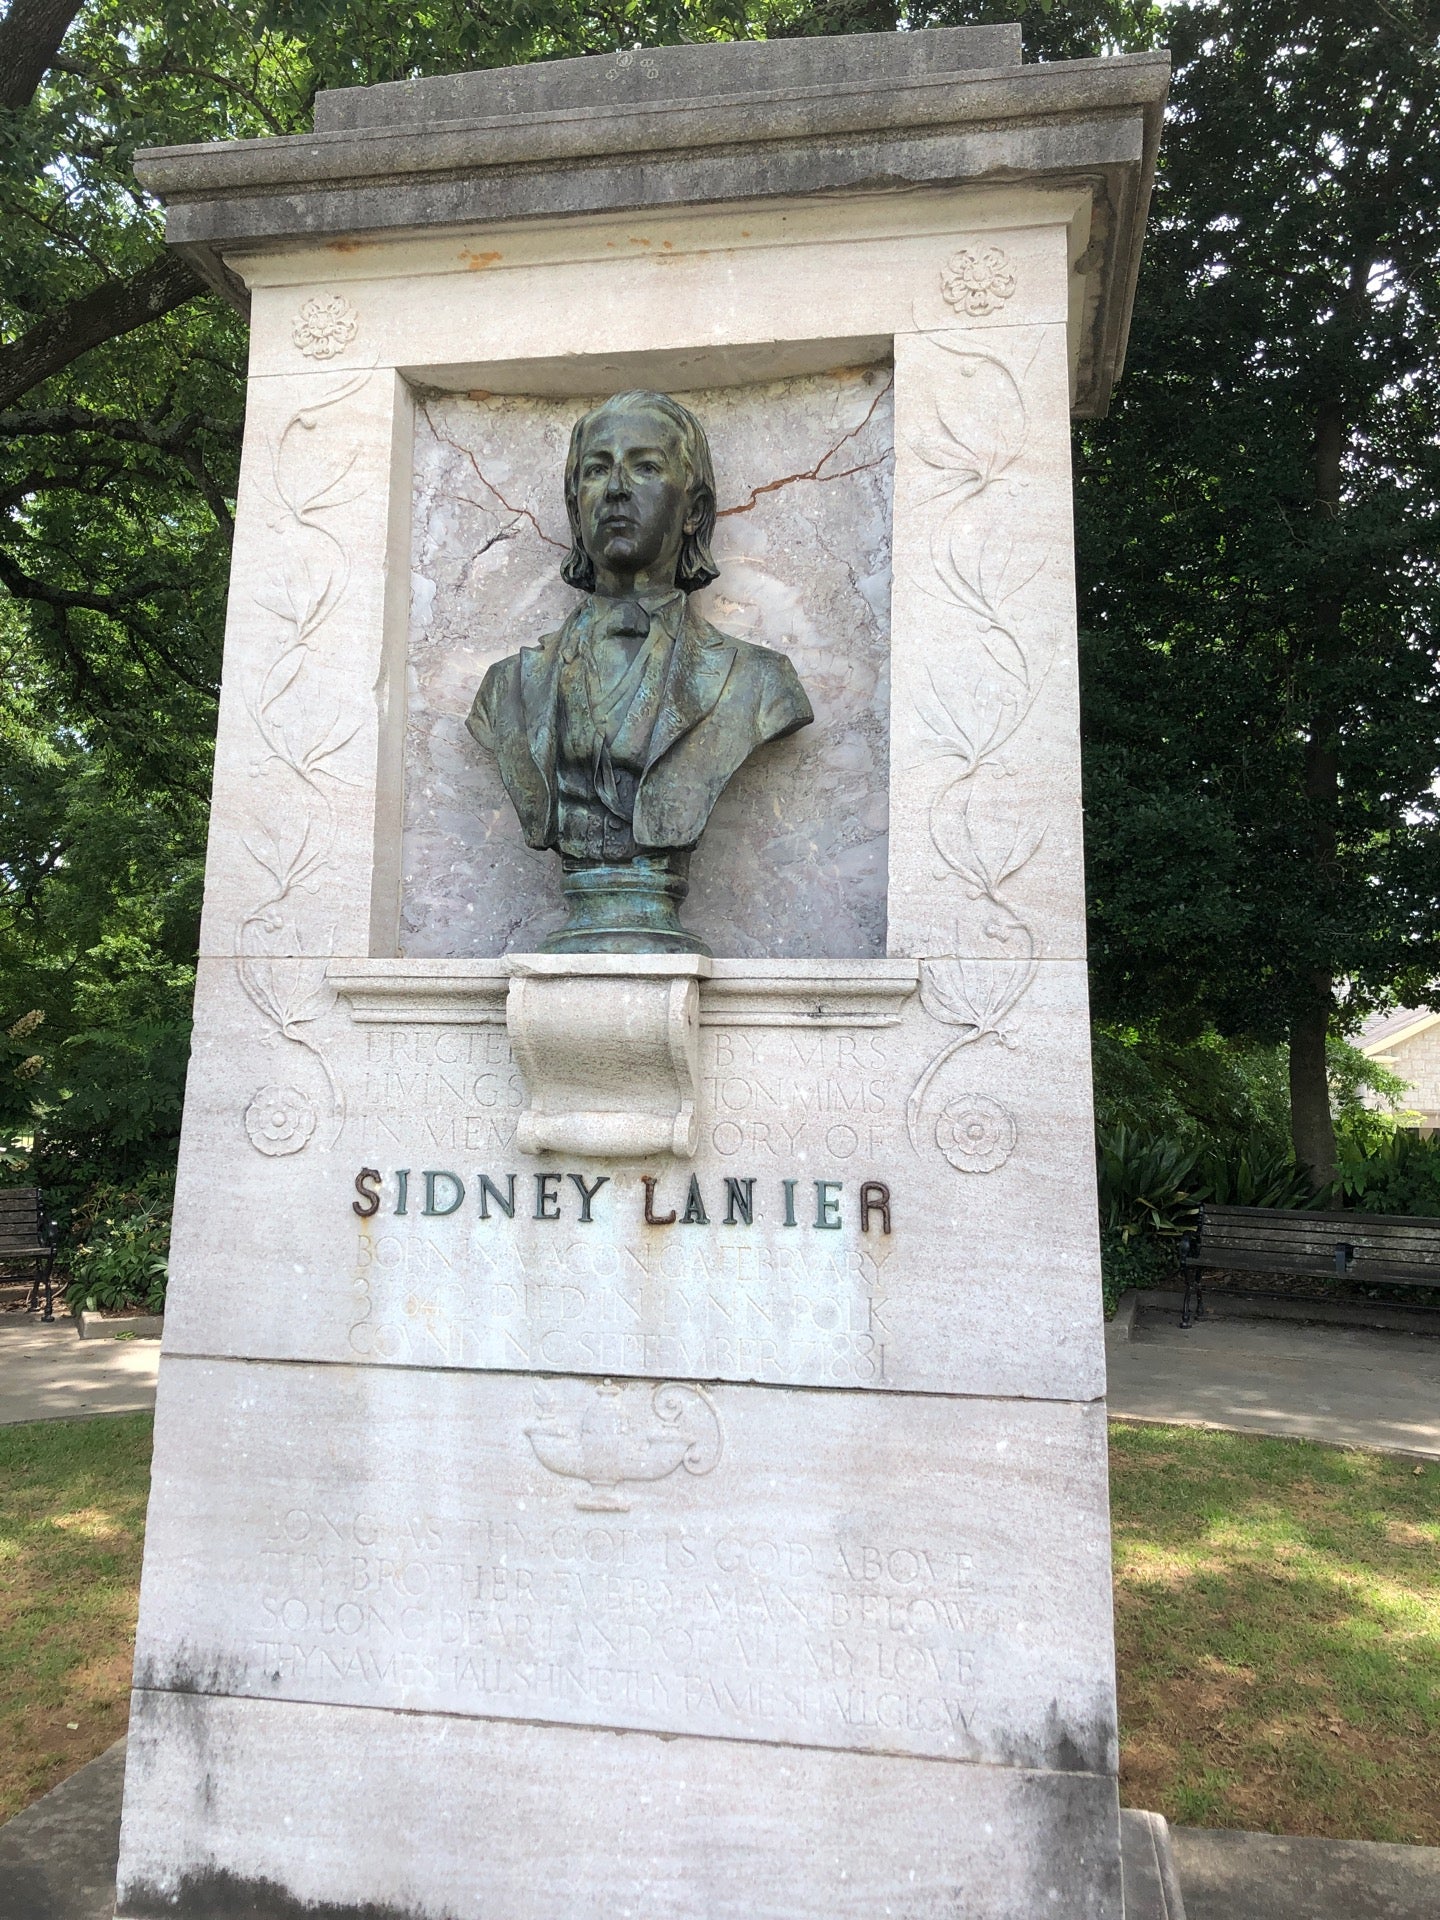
118 468
1147 1186
1257 534
1132 1262
1254 1175
1181 1123
1399 1173
122 1260
1205 1091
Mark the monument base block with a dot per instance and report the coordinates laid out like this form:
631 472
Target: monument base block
579 1821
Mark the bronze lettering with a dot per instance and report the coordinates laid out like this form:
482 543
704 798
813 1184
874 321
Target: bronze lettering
874 1198
587 1194
489 1191
547 1201
739 1200
694 1214
366 1182
827 1207
653 1219
458 1187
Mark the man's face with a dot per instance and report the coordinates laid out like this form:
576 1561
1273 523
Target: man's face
633 498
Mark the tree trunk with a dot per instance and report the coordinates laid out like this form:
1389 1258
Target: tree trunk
1311 1128
107 311
1312 1131
30 36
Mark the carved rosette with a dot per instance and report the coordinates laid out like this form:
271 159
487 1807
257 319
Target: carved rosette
325 326
279 1120
975 1134
978 280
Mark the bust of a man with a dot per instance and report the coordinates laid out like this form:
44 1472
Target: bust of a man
616 735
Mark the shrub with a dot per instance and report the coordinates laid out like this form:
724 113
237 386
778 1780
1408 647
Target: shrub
1135 1262
123 1259
1395 1174
1147 1186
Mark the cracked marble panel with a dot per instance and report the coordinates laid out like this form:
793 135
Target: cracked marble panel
794 860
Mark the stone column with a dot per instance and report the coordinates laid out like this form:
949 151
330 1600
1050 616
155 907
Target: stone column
631 1434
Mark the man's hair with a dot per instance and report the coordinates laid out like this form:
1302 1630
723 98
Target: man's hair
696 566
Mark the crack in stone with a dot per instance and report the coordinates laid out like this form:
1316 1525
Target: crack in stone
520 513
814 473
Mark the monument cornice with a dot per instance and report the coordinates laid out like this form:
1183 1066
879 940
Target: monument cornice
1092 124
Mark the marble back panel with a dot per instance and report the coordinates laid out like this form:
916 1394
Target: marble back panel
793 862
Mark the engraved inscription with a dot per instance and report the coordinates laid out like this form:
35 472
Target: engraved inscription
832 1636
826 1090
813 1310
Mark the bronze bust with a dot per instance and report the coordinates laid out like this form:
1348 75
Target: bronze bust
616 735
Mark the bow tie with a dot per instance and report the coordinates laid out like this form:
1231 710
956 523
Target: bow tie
623 617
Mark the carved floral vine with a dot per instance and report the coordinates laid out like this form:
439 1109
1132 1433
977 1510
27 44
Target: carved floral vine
302 731
974 706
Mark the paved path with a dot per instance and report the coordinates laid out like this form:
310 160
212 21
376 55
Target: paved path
50 1373
1267 1876
57 1858
1357 1388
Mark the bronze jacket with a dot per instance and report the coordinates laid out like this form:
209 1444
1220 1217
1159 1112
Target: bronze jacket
722 699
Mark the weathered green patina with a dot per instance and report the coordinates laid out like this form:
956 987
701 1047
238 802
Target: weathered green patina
616 735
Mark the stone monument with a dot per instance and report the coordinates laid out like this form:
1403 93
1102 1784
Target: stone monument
631 1429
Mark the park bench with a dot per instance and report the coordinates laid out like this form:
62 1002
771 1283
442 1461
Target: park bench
1392 1250
27 1237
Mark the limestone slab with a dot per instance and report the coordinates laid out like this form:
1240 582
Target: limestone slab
222 1806
665 73
501 311
977 1136
985 719
304 829
831 1570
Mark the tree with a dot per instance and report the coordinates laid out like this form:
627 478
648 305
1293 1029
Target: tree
1257 528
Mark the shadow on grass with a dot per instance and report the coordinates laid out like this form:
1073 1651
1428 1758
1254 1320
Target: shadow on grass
1278 1634
72 1526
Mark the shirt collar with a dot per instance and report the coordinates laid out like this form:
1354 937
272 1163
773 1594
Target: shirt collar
668 603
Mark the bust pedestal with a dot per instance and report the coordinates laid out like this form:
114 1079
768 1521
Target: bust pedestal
608 1047
626 907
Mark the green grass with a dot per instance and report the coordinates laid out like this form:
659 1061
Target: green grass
1278 1629
72 1520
